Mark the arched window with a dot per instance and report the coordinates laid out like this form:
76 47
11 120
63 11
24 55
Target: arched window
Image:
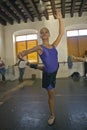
24 42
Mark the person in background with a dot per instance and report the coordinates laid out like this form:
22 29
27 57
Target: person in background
83 59
49 56
2 69
21 63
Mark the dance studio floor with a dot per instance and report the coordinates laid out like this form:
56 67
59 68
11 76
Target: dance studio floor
24 106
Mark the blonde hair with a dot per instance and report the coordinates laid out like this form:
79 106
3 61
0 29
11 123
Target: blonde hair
45 28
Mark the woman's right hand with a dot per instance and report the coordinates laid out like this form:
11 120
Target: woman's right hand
73 57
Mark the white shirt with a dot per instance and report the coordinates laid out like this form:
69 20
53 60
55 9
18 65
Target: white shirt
22 64
2 65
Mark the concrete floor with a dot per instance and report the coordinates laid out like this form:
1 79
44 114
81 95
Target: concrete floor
23 106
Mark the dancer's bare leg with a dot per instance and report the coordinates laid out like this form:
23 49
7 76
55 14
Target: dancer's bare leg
51 106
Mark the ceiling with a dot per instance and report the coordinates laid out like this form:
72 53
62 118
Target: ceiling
12 11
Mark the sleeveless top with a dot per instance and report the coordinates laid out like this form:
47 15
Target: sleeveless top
49 58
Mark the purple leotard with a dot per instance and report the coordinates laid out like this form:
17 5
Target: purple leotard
49 58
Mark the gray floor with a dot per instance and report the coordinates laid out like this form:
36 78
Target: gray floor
24 106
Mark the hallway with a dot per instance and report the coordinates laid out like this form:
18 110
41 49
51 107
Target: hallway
24 106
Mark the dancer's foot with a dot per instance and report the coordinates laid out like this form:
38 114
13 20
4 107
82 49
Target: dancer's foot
51 120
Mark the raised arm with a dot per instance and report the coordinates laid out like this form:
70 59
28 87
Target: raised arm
59 17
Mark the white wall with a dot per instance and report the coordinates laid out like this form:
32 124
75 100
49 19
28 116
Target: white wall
2 43
69 23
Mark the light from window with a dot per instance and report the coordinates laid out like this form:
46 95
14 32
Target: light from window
83 32
31 37
26 37
72 33
21 38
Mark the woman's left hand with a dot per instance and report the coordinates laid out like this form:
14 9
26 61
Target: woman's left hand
58 14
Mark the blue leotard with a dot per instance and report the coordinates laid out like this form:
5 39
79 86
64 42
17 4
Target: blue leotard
49 58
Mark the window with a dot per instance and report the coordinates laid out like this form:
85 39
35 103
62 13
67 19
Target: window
83 32
77 42
25 42
72 33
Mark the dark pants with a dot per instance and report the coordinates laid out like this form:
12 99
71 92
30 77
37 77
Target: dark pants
85 68
21 73
2 71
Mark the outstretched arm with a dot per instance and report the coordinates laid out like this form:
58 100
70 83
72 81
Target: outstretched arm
78 58
59 17
26 52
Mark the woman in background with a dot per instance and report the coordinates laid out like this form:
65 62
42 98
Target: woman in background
83 59
2 69
21 63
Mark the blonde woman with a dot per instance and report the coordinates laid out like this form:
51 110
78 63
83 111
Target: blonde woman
49 56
